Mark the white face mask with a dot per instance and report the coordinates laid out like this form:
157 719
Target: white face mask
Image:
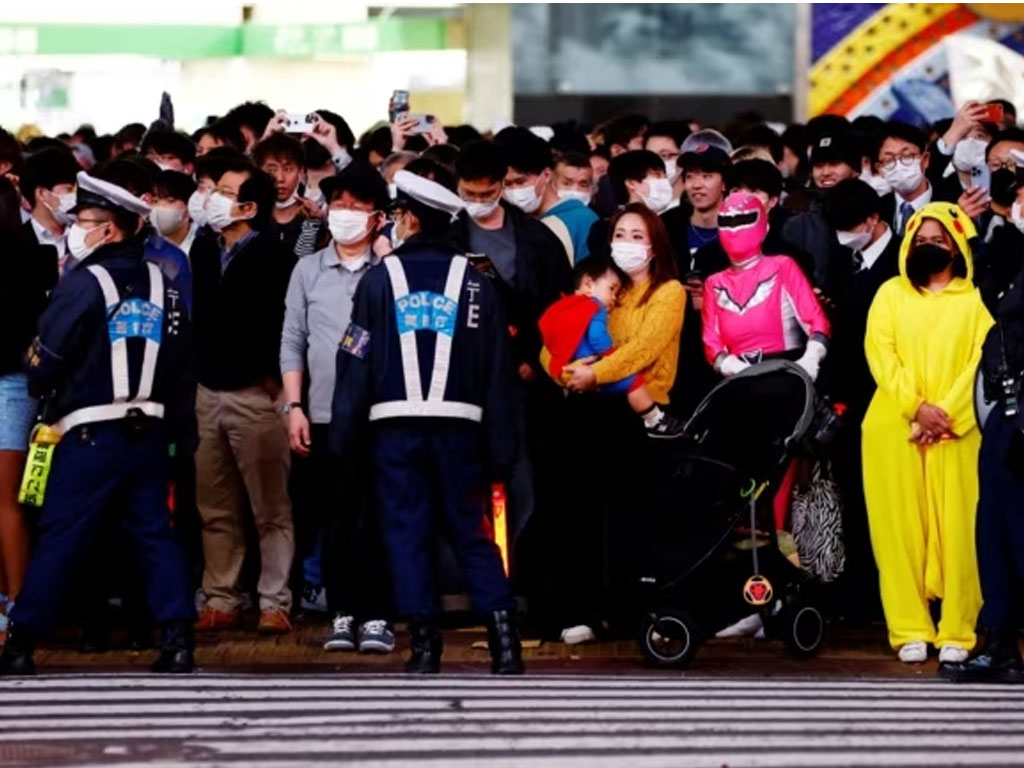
66 201
77 248
659 194
672 170
905 178
396 239
1017 216
218 212
347 227
290 201
166 218
392 190
197 208
855 241
166 167
478 210
877 183
524 198
630 257
969 154
574 194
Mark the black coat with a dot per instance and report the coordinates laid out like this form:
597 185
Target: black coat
848 377
28 272
238 315
542 276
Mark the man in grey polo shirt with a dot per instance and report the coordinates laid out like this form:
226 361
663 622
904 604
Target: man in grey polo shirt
318 308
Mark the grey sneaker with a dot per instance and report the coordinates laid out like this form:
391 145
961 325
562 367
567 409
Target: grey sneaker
341 638
376 637
314 599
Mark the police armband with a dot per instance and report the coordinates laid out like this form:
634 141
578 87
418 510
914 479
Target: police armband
356 341
37 465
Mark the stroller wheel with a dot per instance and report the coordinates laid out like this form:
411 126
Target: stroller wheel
804 628
669 638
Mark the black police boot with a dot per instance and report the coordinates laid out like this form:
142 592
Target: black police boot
425 658
17 656
998 662
176 650
503 641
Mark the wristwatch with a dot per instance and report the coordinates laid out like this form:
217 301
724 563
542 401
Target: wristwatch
289 407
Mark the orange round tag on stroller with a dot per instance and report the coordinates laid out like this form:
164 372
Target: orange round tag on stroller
757 590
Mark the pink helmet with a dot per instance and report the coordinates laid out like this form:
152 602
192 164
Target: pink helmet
742 226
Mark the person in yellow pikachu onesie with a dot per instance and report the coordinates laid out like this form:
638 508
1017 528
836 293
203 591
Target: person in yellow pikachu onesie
920 438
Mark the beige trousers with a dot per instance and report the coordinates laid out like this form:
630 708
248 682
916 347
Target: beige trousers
243 449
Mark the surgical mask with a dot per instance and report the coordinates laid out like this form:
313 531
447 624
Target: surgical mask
855 241
478 210
630 257
218 212
672 170
197 208
969 154
524 198
905 178
392 190
876 182
1003 186
396 240
77 247
926 260
1017 216
659 195
165 166
292 199
166 218
574 194
347 227
66 201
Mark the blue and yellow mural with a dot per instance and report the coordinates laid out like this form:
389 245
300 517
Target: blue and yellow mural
887 59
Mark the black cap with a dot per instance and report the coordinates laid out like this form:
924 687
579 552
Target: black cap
836 147
362 181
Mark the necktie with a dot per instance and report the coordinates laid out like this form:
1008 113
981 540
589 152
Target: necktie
858 261
906 211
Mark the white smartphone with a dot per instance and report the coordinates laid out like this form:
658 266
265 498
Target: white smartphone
424 123
299 123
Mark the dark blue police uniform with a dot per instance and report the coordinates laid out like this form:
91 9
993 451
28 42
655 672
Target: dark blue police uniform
426 365
111 359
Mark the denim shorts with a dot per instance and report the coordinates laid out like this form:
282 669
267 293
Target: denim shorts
17 412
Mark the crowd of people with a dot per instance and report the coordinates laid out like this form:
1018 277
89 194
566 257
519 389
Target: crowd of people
289 371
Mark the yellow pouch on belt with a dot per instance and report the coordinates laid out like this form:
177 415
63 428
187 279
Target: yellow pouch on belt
37 466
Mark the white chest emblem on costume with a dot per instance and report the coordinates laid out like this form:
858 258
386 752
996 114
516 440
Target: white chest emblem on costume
761 293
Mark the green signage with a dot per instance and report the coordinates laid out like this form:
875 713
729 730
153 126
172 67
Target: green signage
180 41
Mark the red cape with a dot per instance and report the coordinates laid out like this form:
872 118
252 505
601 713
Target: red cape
562 328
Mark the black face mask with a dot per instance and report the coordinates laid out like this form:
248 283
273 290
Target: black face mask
1003 187
923 261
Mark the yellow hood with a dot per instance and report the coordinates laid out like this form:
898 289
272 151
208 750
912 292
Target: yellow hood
954 221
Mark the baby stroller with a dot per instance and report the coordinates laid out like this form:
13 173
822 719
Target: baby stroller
708 557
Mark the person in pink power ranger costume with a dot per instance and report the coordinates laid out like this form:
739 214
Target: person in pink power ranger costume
761 307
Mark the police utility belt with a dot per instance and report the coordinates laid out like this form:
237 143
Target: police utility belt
424 310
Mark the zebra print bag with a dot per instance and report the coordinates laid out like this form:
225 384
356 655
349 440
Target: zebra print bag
817 511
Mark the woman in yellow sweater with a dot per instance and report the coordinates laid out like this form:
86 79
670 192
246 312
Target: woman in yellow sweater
646 323
920 440
591 529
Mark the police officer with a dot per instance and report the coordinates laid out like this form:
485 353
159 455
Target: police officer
111 360
425 364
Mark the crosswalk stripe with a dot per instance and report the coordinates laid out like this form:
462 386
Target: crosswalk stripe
386 721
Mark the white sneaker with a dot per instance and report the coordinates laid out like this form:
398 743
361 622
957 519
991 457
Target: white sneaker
581 633
952 654
915 652
745 627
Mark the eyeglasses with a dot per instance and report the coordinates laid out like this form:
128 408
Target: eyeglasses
905 158
1008 164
